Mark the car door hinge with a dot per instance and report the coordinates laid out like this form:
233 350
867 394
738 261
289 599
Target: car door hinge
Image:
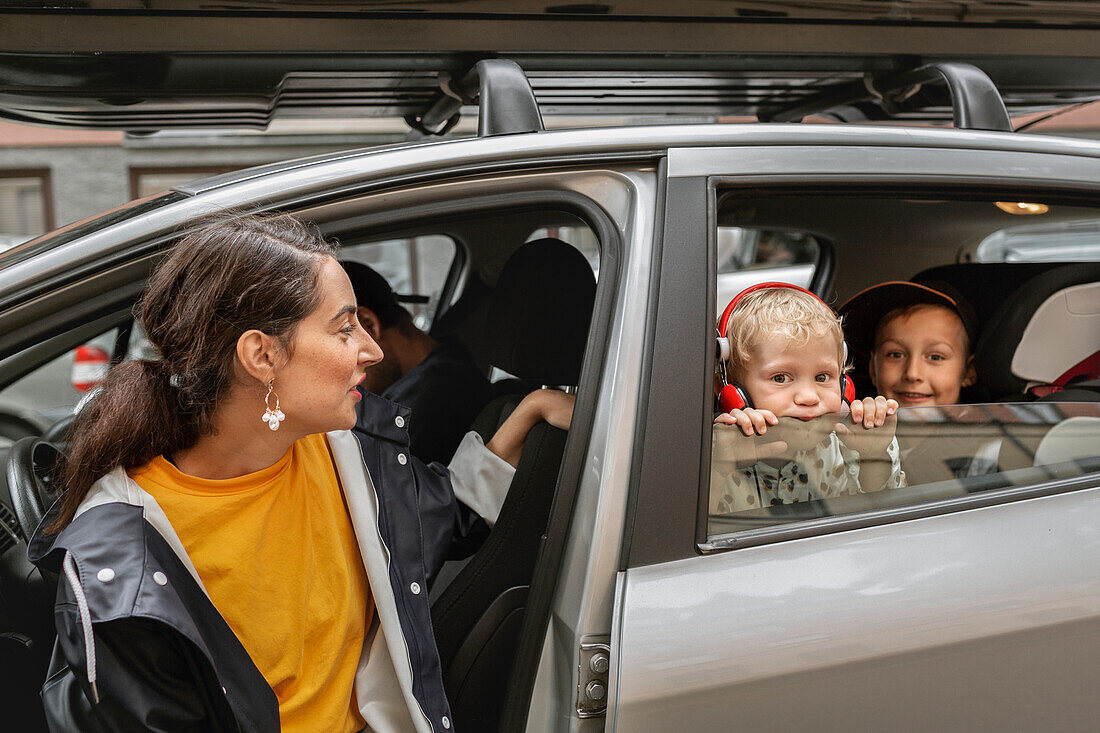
592 675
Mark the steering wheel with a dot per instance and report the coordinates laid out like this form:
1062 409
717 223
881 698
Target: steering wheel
31 463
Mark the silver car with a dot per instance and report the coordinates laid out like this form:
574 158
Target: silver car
968 600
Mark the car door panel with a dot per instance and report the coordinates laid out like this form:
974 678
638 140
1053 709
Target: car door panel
955 622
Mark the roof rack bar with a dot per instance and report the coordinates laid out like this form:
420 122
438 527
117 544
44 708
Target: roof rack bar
506 103
975 102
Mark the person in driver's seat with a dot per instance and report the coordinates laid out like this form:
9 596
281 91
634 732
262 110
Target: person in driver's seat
916 339
437 380
784 356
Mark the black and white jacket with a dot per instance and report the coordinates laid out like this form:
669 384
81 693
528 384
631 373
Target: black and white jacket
140 645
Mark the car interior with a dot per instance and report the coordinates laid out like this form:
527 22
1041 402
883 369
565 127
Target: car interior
519 280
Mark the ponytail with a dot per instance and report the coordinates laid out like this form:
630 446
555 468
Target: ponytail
136 416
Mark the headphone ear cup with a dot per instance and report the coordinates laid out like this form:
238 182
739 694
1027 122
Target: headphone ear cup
848 391
733 397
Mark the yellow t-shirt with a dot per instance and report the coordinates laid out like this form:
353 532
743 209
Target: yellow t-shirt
277 554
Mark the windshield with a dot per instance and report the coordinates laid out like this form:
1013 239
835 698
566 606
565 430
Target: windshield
825 467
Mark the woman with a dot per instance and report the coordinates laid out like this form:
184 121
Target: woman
232 557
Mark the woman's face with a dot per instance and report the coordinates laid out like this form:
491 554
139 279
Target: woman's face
328 358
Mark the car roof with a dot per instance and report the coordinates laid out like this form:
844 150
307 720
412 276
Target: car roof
640 141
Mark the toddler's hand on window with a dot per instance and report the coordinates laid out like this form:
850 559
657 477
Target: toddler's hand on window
872 411
751 421
873 423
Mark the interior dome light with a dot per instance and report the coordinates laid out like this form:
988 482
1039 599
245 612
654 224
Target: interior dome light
1013 207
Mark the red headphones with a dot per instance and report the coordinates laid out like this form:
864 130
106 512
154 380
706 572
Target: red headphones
736 397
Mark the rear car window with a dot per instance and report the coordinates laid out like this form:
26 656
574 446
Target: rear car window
749 255
1069 241
415 267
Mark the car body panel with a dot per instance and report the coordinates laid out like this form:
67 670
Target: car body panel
667 526
861 629
329 177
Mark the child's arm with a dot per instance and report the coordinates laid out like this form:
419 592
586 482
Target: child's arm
873 424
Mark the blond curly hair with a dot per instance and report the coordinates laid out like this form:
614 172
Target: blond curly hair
773 313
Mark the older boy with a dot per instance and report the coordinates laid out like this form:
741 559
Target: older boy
786 357
917 341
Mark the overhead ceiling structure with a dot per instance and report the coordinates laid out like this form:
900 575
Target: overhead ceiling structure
148 65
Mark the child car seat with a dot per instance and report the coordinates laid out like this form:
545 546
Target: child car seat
1044 340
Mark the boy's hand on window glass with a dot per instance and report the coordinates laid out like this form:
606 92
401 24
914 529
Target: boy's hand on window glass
872 411
872 422
750 420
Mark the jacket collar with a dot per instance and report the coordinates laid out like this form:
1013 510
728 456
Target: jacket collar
377 417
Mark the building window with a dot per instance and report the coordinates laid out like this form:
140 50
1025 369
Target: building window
25 205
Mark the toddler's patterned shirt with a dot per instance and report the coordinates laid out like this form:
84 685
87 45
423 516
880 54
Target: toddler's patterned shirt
828 469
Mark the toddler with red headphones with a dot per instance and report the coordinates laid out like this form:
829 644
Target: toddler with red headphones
781 353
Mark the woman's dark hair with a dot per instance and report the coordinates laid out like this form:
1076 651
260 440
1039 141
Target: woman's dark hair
232 274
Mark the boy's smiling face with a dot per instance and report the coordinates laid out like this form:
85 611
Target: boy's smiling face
793 380
921 357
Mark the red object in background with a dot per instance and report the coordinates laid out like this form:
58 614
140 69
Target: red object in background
90 366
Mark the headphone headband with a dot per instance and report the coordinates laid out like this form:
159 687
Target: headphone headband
724 320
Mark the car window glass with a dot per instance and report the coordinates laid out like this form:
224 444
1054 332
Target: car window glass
1066 241
413 266
53 389
943 452
749 255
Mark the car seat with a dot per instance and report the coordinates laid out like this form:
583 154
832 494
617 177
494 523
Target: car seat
26 592
1044 340
465 320
538 320
985 284
1073 440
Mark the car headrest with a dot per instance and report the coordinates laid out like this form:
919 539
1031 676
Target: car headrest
1072 439
1046 328
540 312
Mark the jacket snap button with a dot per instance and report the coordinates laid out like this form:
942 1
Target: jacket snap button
446 722
106 575
399 421
415 588
160 578
402 459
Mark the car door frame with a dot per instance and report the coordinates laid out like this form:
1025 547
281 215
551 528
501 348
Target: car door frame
679 362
